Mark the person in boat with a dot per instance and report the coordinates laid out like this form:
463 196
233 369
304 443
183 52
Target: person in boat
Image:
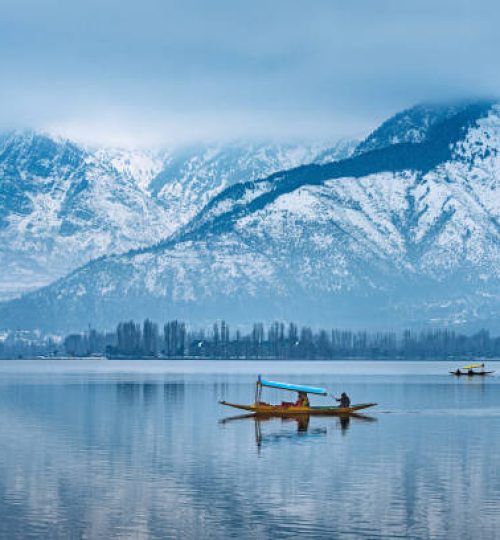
470 372
302 400
344 400
458 372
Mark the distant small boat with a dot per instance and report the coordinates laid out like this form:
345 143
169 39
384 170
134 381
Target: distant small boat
470 371
289 409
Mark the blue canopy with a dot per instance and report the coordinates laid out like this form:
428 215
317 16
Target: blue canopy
293 387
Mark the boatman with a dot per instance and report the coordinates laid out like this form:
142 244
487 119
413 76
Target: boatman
344 401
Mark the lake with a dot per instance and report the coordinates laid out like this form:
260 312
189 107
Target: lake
142 449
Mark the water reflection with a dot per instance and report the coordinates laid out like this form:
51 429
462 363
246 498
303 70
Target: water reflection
302 423
141 455
146 393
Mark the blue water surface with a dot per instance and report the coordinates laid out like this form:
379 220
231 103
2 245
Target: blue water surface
142 449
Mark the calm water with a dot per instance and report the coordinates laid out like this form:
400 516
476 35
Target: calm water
108 449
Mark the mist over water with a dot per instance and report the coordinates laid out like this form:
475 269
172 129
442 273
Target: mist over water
111 449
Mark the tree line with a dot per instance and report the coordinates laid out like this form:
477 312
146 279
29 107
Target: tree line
274 341
277 341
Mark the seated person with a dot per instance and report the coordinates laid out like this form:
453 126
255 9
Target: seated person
344 401
302 400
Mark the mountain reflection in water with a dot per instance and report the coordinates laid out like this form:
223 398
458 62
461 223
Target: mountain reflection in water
136 450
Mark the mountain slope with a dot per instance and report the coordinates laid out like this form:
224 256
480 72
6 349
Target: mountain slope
62 204
402 233
192 176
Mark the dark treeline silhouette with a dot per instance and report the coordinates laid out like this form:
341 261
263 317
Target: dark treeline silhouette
278 341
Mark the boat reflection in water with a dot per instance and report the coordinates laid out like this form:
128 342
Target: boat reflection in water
341 422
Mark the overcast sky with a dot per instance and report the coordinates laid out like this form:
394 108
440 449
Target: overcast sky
149 71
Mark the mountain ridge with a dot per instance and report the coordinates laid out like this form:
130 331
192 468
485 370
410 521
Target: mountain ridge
63 204
404 234
406 155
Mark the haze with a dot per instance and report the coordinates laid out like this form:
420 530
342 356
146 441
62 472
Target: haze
162 72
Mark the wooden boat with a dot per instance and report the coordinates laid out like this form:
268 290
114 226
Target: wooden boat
473 374
470 371
259 407
281 410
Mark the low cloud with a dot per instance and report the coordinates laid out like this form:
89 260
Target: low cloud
160 72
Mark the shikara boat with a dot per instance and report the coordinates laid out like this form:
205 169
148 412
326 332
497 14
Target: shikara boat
289 409
469 371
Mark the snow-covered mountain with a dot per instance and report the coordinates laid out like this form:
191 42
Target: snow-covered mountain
406 231
192 176
63 204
